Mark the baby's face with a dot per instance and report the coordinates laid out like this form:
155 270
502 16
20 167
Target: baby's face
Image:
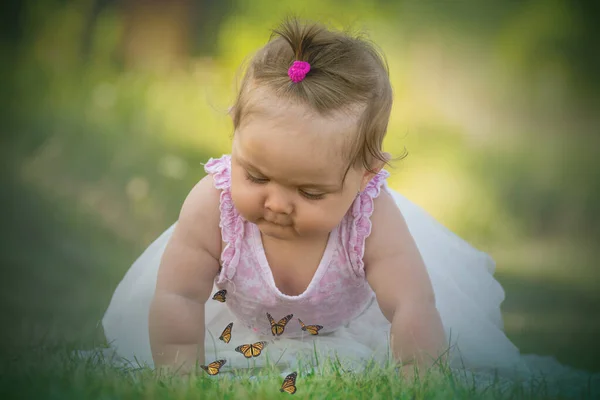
287 168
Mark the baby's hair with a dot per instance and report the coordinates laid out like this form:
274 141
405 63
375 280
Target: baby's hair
347 73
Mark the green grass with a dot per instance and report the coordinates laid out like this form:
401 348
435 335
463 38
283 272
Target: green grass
55 372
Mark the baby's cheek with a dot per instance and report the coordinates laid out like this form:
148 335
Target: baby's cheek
322 221
246 202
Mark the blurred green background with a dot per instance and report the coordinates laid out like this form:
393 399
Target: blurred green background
109 108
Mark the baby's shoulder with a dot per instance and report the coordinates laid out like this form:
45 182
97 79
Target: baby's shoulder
388 227
204 198
200 216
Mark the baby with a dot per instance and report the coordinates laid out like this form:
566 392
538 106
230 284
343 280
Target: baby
294 241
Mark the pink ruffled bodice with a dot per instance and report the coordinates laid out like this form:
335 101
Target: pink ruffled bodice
338 291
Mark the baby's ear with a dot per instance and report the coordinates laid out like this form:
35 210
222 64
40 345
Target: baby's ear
377 166
387 157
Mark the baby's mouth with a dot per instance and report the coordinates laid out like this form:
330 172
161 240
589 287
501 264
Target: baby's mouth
277 223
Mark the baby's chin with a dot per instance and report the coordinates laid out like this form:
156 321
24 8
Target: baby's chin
281 232
290 232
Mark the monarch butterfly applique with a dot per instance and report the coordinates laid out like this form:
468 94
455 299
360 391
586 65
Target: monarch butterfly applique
214 367
251 350
220 296
226 335
312 329
278 328
289 383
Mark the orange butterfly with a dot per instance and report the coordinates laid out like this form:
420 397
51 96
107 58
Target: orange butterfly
289 383
251 350
312 329
214 367
278 328
226 335
220 296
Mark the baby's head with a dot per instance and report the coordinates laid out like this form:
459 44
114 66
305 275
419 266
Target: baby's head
303 150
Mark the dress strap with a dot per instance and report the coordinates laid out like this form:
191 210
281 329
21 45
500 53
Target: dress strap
231 223
359 226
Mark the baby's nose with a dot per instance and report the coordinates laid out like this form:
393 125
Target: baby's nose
279 203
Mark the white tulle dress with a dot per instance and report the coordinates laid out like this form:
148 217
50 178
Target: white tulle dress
468 299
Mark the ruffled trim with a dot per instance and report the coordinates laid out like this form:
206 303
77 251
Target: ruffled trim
231 223
360 224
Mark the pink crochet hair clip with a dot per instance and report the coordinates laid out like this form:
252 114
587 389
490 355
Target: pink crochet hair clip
298 71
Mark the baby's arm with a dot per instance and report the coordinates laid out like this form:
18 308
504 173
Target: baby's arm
185 281
397 274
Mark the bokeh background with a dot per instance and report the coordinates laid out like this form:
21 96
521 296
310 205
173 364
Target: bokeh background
109 107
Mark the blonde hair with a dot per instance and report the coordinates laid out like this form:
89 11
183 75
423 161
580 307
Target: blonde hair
346 71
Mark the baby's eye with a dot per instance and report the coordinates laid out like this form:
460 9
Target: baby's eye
312 196
254 179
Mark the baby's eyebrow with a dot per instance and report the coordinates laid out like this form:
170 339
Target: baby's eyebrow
247 165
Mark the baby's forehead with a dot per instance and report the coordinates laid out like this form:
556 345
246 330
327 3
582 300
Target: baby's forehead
290 154
277 153
323 141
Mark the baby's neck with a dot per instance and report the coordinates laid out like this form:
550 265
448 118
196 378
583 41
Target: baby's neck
296 243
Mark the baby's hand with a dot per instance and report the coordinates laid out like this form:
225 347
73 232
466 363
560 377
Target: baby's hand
411 372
